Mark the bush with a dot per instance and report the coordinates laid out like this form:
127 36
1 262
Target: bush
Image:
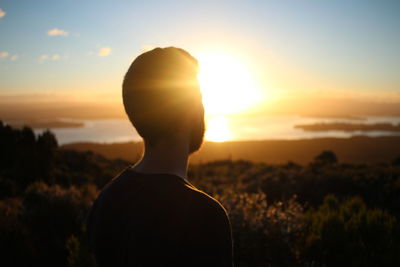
15 241
78 250
52 214
263 233
325 158
350 234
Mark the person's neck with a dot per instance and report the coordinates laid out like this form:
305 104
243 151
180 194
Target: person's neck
164 157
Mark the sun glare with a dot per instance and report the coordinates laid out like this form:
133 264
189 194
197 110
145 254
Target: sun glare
218 129
227 86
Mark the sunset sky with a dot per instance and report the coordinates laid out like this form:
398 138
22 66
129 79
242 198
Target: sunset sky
73 49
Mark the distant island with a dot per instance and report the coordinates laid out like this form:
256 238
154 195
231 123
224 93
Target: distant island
47 124
349 127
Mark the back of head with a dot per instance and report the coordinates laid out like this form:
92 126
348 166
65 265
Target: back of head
159 90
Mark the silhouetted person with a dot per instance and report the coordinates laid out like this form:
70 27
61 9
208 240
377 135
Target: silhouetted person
150 215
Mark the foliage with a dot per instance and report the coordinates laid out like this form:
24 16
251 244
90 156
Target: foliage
43 219
324 214
350 234
78 251
326 157
263 233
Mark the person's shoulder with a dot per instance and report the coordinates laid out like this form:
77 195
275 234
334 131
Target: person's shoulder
201 201
207 233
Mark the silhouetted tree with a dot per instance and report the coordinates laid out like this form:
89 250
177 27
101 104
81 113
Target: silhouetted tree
326 157
46 150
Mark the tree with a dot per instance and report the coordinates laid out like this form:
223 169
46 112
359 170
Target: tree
327 157
46 150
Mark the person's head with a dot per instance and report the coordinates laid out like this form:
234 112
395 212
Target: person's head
162 98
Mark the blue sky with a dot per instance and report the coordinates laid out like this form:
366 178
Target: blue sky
296 46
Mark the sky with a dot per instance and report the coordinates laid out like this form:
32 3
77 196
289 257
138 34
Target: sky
77 49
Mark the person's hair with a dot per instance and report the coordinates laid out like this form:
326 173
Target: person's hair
159 89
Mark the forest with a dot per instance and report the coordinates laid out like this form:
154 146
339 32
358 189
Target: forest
325 213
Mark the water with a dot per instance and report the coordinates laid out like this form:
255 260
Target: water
282 127
235 128
99 131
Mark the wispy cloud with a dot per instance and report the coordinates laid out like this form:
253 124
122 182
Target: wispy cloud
104 51
3 55
43 58
6 55
54 57
57 32
2 13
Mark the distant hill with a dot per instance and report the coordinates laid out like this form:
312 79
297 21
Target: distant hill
359 149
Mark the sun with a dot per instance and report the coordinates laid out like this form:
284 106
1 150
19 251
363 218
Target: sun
226 84
218 129
227 88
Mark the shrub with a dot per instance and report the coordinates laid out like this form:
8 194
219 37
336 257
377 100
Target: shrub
350 234
263 233
52 214
325 158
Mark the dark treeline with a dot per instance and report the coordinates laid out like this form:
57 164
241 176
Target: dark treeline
325 213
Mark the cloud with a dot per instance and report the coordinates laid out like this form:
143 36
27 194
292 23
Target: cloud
56 32
2 13
3 55
54 57
43 58
104 51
